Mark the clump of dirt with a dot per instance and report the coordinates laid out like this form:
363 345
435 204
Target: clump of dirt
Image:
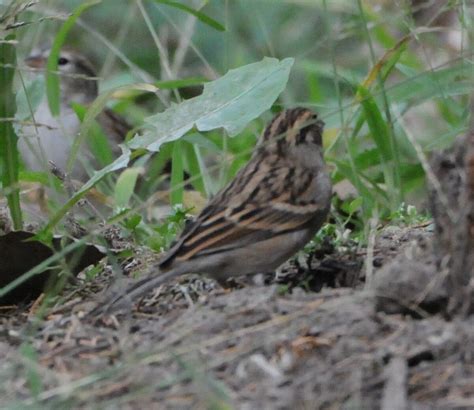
325 265
438 275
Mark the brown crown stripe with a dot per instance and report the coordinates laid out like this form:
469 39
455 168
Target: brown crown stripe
273 128
294 130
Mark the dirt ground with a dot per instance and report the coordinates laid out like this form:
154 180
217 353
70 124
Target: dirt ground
338 343
387 327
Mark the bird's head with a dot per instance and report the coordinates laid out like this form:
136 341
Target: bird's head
295 133
78 77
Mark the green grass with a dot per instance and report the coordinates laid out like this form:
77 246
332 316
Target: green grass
9 164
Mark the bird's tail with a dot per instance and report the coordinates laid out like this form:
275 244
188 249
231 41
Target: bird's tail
127 295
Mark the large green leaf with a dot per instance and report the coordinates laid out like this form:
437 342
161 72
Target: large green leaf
230 102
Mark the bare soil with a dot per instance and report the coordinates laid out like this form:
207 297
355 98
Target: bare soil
337 343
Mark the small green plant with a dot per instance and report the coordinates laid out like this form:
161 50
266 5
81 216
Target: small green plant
164 234
408 215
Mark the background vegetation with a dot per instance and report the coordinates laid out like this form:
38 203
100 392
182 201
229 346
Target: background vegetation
391 80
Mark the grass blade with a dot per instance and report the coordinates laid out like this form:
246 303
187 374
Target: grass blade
193 167
199 15
381 136
97 141
8 141
185 82
376 123
125 186
52 78
119 163
177 174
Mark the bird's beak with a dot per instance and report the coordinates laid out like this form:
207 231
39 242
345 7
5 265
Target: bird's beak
35 61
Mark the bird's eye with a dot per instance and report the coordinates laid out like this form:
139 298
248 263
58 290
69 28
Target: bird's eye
62 61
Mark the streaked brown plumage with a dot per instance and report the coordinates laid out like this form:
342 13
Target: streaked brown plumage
272 208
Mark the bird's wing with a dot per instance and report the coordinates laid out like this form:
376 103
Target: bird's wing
248 211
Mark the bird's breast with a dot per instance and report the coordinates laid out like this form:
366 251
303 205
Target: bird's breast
50 139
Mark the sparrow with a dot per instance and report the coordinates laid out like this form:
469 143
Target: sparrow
51 138
269 211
